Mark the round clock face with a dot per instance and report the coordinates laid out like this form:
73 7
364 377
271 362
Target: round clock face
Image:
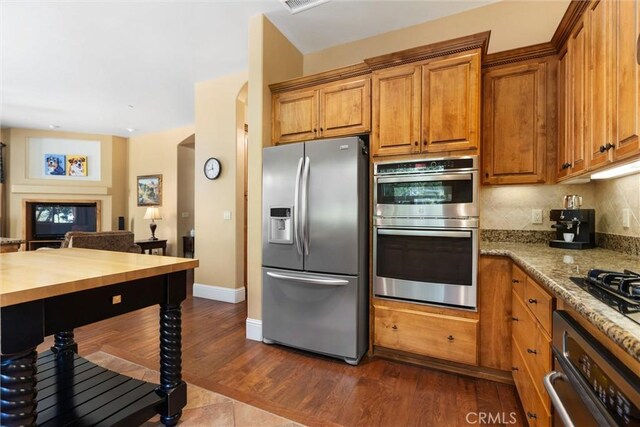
212 168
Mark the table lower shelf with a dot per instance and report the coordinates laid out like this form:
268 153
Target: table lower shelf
77 392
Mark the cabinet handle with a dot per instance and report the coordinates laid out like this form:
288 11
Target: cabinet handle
531 351
394 327
450 338
321 129
415 143
533 301
315 130
531 415
424 142
609 146
515 319
514 368
602 149
486 174
515 281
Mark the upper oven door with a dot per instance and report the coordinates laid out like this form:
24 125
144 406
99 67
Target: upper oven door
444 195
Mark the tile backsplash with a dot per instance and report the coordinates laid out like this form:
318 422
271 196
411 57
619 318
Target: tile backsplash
509 207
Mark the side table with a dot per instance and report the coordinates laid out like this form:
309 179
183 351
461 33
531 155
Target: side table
149 245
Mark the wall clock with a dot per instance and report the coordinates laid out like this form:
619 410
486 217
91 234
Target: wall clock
212 168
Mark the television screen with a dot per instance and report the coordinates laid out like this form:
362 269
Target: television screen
53 220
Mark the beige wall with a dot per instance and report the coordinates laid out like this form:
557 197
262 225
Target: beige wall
512 23
111 190
186 177
612 196
153 154
217 125
272 58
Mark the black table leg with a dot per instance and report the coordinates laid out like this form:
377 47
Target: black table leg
64 344
171 384
18 404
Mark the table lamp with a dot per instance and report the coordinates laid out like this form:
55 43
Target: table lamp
153 214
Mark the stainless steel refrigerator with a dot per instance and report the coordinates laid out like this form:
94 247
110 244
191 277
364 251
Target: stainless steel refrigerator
315 247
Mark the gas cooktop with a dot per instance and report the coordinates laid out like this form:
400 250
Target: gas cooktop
619 290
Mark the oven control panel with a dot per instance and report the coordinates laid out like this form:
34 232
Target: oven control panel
427 166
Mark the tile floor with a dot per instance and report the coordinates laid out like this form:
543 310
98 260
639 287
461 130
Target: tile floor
204 407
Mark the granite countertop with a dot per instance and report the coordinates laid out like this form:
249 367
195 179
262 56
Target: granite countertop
10 241
552 268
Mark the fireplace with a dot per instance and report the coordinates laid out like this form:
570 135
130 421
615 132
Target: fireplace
47 221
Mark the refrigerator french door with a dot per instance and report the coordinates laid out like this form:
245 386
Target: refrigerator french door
315 255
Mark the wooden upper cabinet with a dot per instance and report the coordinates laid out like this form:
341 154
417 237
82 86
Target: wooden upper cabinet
345 108
601 62
451 103
515 123
579 127
626 33
396 110
330 110
294 116
564 113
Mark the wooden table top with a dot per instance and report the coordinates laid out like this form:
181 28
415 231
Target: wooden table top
33 275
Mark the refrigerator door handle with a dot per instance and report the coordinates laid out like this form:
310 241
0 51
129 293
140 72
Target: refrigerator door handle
305 205
296 209
308 279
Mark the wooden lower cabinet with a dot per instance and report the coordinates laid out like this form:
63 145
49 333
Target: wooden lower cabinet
535 411
531 346
435 335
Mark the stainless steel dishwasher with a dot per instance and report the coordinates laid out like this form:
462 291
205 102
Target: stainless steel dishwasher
589 386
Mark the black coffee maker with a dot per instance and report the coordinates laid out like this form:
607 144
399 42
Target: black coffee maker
575 228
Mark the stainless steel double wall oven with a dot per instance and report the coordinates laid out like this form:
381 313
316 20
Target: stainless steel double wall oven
426 231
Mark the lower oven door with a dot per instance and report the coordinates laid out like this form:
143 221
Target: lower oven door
429 265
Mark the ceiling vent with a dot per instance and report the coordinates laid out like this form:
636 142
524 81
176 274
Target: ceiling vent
295 6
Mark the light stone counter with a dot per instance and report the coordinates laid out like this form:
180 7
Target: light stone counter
552 268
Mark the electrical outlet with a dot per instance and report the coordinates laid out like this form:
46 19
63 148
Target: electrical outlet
626 217
184 214
226 215
536 216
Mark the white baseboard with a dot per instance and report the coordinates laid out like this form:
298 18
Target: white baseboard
218 293
254 329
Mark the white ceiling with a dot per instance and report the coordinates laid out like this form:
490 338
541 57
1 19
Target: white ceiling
103 67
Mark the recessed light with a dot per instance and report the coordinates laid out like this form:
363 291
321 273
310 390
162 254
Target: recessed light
130 106
131 130
54 127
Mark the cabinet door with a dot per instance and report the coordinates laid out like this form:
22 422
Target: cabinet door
451 103
564 114
295 116
626 34
600 82
579 66
345 108
515 128
396 111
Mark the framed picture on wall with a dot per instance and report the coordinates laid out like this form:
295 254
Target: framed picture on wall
150 190
55 164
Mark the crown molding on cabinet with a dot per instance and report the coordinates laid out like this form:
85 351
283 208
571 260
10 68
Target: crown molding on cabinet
518 55
321 78
448 47
569 20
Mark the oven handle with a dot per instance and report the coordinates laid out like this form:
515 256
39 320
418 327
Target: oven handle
432 177
548 381
425 233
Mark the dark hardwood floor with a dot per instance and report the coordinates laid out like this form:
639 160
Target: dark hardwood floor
303 387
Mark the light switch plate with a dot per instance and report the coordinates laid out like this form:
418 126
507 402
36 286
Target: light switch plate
536 216
226 215
184 214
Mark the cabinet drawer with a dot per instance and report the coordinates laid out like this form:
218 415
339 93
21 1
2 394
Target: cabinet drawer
535 411
540 303
443 337
518 280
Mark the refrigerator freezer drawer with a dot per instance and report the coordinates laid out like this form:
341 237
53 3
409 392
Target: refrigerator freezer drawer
315 312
